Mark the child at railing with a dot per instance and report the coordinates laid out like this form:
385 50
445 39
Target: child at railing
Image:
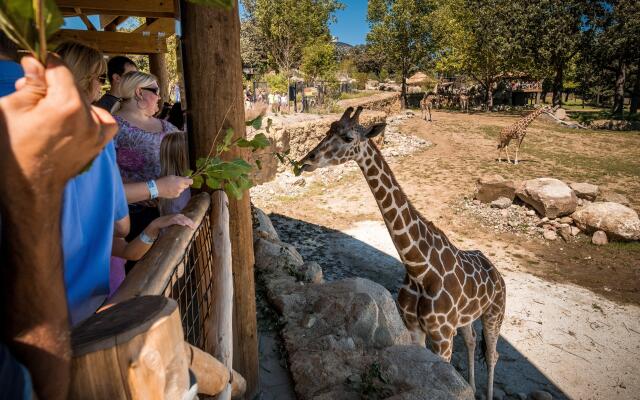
174 161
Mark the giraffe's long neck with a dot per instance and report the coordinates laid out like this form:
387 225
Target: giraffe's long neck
529 118
404 223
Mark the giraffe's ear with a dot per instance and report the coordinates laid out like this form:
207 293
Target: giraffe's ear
375 130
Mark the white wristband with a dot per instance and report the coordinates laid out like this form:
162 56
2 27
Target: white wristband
153 189
146 239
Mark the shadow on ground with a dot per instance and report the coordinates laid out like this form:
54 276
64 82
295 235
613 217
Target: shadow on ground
343 256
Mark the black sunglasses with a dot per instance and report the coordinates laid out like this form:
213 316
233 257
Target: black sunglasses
102 79
155 90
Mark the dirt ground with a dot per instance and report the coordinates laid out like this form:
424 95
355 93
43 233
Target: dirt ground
573 322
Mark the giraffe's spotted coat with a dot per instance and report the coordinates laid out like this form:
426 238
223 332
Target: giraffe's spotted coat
445 288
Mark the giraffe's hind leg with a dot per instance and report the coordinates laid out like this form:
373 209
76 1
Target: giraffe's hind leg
491 322
469 336
506 151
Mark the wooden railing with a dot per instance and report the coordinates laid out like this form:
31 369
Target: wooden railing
192 267
179 266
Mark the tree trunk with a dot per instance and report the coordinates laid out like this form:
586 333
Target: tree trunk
635 95
597 99
489 94
566 96
618 97
557 85
211 43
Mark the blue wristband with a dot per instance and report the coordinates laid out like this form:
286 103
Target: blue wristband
153 189
146 239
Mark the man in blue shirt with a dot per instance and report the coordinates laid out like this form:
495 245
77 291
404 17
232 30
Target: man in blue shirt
94 203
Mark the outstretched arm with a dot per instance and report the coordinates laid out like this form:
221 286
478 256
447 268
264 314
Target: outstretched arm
48 134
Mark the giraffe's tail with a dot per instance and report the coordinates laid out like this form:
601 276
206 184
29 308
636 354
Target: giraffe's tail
483 349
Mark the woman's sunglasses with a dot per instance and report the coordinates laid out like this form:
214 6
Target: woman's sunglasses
154 90
102 79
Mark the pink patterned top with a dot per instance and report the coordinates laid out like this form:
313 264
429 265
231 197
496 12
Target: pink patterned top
138 150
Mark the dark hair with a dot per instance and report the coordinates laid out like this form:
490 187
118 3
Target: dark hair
176 116
116 66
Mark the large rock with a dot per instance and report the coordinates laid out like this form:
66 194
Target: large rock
276 256
492 187
262 226
614 197
618 221
550 197
585 191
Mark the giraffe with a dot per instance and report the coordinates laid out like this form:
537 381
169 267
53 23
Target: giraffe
464 102
426 104
444 288
517 131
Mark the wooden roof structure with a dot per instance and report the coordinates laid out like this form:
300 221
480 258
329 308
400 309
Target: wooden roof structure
148 38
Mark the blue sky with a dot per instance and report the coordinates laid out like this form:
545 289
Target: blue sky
351 25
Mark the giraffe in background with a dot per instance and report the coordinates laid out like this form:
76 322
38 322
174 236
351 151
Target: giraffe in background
445 288
517 131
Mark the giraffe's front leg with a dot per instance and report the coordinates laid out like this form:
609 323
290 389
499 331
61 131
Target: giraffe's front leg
408 305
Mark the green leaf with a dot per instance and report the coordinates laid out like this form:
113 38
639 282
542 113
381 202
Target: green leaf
257 123
200 162
233 190
18 22
228 136
197 182
260 141
213 183
244 183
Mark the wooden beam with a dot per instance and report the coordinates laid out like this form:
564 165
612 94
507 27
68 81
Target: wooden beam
157 25
115 42
139 8
113 25
106 20
85 20
211 45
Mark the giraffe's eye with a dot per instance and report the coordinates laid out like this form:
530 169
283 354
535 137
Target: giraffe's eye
347 138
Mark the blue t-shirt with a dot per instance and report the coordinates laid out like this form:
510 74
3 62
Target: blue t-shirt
10 72
93 201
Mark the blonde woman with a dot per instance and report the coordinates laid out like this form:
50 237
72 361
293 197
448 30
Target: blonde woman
138 149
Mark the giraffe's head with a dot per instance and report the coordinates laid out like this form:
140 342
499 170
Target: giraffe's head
345 141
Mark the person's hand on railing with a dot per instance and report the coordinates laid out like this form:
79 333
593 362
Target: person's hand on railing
154 228
171 186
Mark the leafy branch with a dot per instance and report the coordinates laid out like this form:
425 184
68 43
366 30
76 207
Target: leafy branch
232 176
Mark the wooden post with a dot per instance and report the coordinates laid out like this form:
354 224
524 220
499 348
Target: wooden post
220 324
133 350
158 67
213 80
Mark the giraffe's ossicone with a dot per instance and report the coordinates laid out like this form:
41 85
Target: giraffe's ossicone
445 288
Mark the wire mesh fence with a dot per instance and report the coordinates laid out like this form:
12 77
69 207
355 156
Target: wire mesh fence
190 285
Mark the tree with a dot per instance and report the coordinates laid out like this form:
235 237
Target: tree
476 37
401 35
286 27
367 60
252 49
616 44
319 61
552 33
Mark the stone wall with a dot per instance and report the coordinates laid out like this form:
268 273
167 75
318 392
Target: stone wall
345 339
387 102
299 137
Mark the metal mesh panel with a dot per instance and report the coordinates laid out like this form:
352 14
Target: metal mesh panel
190 285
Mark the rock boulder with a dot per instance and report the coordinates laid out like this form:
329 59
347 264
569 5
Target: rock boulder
585 191
618 221
492 187
550 197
